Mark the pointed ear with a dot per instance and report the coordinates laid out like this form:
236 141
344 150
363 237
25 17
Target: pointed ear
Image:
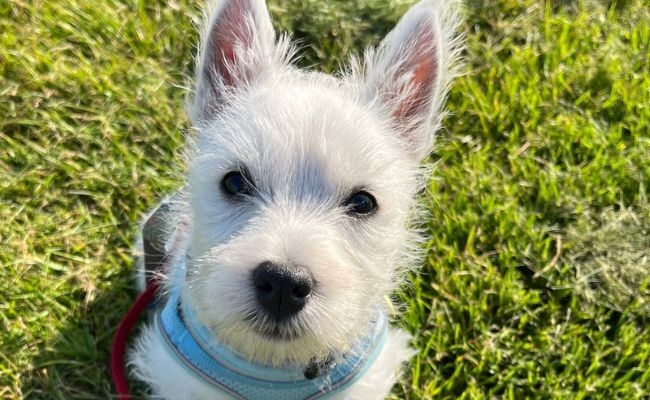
235 49
405 74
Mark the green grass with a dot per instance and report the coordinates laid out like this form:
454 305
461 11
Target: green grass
536 283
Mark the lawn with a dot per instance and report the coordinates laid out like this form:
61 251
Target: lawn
536 281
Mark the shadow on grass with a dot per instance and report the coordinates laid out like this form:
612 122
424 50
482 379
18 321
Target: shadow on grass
75 363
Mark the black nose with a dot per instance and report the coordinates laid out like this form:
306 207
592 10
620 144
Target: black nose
282 290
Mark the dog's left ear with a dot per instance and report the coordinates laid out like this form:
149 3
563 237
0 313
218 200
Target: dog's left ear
236 47
408 73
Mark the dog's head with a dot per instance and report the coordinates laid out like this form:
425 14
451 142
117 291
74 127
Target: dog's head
301 185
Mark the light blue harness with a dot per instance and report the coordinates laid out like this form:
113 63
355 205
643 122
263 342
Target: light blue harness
195 347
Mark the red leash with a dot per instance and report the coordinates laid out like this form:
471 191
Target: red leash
154 241
121 335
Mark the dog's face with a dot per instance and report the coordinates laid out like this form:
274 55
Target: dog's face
301 185
299 177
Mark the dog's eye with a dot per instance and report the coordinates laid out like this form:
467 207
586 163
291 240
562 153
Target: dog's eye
361 203
235 183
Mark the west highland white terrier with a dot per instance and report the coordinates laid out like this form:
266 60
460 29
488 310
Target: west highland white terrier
294 227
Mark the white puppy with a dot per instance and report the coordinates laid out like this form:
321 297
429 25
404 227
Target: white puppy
294 227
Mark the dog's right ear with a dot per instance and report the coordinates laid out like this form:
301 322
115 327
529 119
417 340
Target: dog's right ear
236 44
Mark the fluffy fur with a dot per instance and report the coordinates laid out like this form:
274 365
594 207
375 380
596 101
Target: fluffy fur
307 141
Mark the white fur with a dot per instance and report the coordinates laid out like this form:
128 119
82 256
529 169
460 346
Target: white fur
308 141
